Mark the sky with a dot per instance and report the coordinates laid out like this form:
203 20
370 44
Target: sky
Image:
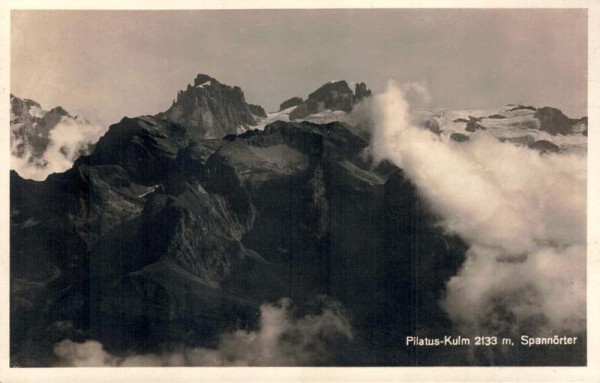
105 65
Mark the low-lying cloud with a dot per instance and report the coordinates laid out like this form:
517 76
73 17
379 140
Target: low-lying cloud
283 339
68 140
523 215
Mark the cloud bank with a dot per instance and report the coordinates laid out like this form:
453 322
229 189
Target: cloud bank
283 339
68 139
523 215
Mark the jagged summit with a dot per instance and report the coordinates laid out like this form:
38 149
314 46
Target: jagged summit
203 79
361 91
60 111
335 94
15 101
210 109
290 102
37 145
332 96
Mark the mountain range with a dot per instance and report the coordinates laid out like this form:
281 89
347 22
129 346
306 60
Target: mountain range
174 229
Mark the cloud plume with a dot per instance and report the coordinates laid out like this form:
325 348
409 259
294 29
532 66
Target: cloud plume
283 339
523 215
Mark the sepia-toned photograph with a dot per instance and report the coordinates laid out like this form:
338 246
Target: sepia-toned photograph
298 188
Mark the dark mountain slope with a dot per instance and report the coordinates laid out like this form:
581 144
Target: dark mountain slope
158 239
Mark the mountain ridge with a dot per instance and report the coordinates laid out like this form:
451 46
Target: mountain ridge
162 237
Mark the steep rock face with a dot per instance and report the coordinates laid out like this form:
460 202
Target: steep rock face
290 102
145 147
333 96
52 278
157 239
210 109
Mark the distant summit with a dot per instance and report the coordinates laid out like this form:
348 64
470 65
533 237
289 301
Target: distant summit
45 141
361 91
211 109
31 125
333 96
545 129
290 103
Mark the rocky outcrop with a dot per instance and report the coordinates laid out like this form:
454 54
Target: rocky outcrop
459 137
512 108
333 96
434 126
257 110
209 109
525 140
461 119
474 125
361 91
544 146
553 121
290 103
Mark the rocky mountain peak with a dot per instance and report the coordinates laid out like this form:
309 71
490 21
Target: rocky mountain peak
361 91
334 96
290 102
59 110
38 145
203 79
331 92
17 104
210 109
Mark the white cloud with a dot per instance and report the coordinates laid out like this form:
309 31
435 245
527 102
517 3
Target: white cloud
67 138
417 92
87 354
523 215
281 340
